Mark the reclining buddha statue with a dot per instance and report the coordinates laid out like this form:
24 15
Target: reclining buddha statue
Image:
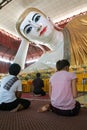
68 43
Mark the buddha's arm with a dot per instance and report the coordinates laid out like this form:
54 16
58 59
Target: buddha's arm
22 53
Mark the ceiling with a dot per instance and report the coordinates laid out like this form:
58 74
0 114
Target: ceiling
57 10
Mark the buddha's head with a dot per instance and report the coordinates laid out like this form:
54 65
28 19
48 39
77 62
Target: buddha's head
34 25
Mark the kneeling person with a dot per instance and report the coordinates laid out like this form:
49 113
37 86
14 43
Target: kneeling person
11 91
38 85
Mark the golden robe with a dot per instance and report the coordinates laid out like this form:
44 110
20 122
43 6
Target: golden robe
76 42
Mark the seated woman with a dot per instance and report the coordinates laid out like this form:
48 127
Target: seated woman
63 91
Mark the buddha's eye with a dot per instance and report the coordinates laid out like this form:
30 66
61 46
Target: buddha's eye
37 18
28 30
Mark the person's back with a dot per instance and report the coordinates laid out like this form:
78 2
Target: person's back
7 93
61 90
11 91
38 85
8 86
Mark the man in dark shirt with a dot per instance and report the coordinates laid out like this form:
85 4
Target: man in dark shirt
38 85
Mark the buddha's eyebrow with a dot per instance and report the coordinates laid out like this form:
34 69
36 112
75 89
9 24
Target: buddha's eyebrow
26 26
34 16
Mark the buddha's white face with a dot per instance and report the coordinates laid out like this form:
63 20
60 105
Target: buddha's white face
36 27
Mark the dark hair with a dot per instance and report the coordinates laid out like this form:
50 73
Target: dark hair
62 63
38 74
14 69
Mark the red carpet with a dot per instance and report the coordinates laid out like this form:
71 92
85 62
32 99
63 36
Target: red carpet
30 119
32 97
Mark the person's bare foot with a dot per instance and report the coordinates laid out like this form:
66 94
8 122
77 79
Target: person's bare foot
44 108
37 95
19 107
84 105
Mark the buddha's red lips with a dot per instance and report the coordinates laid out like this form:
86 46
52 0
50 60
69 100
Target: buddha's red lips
44 30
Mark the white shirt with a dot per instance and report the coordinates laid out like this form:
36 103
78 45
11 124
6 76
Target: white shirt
7 96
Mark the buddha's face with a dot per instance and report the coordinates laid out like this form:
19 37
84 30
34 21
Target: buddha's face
36 27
